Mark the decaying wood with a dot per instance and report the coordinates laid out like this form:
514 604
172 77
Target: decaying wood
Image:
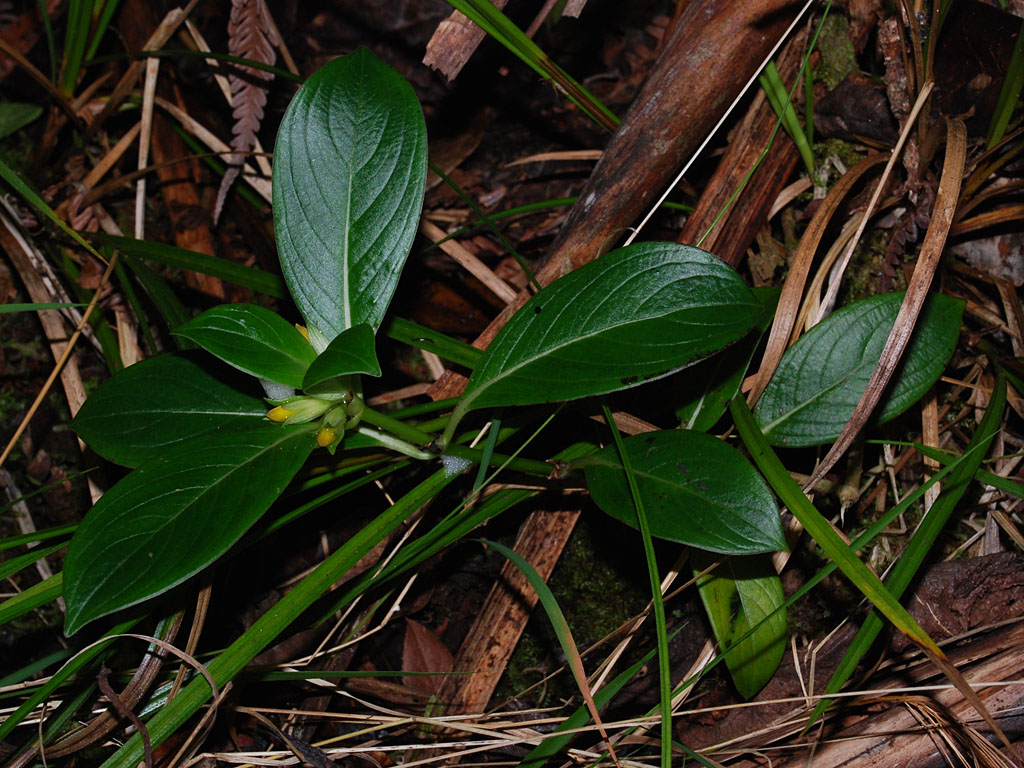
454 42
189 218
39 292
730 237
716 46
483 656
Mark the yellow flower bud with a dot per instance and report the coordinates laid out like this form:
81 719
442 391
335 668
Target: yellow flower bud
279 414
302 329
325 437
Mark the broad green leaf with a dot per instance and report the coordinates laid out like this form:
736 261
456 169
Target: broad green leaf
16 115
150 406
821 378
349 172
708 387
635 314
696 490
175 515
254 340
352 351
740 594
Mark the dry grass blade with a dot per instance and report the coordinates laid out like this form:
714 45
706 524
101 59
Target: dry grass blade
792 291
917 291
471 263
833 289
989 219
156 41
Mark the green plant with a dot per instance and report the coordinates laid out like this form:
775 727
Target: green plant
210 453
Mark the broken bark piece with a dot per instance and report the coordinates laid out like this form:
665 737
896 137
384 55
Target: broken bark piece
454 42
484 654
961 595
732 234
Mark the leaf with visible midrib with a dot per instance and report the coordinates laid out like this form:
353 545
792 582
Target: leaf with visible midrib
176 514
349 172
635 314
696 490
822 377
151 406
254 340
352 351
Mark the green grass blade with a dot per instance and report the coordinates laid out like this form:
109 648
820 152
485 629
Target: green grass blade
133 301
9 308
421 337
29 195
779 98
864 579
657 604
501 28
556 743
1000 483
166 302
1009 95
31 670
34 597
562 632
51 46
31 538
78 19
248 277
102 22
921 543
15 564
485 460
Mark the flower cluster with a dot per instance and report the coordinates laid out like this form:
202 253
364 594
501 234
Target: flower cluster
335 414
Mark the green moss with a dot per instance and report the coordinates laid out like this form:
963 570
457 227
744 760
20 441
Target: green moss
848 153
865 268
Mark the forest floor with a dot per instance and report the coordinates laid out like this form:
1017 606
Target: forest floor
558 189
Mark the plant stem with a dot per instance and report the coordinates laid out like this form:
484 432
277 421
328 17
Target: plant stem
395 427
527 466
